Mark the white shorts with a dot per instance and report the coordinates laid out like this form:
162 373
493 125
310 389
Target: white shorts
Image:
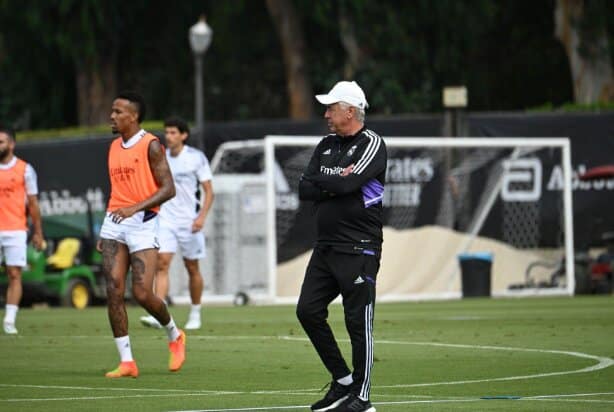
190 245
134 232
13 246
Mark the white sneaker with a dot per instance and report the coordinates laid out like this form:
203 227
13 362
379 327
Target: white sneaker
150 322
10 329
193 323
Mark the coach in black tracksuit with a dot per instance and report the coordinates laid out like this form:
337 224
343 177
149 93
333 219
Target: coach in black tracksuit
345 177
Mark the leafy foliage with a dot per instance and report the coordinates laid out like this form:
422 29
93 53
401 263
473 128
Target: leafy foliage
504 52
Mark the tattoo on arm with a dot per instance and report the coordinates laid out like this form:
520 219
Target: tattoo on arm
162 175
161 172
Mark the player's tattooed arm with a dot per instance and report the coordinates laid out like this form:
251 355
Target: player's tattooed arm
162 174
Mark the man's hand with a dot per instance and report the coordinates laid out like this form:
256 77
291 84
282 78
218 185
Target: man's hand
120 214
347 170
198 224
99 245
38 241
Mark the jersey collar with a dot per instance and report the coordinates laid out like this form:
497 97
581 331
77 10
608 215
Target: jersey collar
10 164
183 149
351 137
134 139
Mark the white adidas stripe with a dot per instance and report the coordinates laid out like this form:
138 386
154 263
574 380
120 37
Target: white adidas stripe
369 153
366 383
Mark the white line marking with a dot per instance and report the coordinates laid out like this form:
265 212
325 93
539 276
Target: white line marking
263 408
602 363
567 395
86 388
102 337
453 399
93 398
429 401
574 400
272 408
175 395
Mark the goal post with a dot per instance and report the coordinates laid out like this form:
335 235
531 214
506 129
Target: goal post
443 197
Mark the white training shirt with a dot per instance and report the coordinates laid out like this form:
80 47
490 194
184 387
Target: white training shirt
30 176
189 169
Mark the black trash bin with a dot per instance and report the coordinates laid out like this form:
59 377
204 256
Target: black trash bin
475 273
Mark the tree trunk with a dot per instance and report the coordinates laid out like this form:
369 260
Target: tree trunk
96 89
591 68
355 56
289 29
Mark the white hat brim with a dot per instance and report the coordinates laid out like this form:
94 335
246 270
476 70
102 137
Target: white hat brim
327 99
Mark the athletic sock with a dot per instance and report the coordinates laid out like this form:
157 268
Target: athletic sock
11 313
124 349
346 380
172 330
195 311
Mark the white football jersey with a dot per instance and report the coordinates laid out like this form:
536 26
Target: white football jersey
189 168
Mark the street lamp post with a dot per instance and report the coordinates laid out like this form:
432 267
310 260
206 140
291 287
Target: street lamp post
455 102
200 38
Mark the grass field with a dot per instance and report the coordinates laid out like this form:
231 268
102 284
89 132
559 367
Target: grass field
554 353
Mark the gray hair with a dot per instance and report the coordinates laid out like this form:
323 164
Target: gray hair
360 113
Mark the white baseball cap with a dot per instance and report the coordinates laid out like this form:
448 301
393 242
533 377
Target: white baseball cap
348 92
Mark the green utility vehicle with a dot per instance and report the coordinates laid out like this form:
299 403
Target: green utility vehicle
69 271
70 276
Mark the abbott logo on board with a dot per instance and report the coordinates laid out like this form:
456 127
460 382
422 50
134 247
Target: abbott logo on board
522 180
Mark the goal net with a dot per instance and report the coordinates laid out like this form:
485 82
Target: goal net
445 200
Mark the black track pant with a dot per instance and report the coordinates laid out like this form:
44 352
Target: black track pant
329 273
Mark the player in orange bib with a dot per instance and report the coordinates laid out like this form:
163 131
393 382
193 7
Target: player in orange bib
18 196
140 181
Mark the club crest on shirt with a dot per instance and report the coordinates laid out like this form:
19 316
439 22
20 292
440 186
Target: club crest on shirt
351 151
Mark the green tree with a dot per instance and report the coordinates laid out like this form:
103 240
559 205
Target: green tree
581 26
80 33
290 31
61 61
35 77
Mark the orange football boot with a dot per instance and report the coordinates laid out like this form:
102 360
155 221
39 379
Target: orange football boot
124 370
177 352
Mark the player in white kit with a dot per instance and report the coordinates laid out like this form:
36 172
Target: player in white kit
183 217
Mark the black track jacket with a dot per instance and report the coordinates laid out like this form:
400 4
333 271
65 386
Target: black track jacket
348 208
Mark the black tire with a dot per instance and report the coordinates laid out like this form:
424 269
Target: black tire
78 294
241 299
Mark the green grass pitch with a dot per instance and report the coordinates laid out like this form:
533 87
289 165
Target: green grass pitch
554 353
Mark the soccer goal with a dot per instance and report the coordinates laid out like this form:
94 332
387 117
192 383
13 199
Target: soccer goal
445 199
